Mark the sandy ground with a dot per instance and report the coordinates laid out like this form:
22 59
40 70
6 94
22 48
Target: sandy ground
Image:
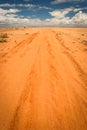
43 79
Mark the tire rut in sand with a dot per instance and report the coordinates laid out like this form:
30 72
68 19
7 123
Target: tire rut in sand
56 86
70 94
76 65
48 101
22 116
6 56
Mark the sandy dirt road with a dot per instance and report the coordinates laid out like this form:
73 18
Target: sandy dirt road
43 80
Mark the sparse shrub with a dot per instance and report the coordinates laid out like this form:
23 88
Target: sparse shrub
84 42
82 34
2 40
26 33
16 28
3 35
85 49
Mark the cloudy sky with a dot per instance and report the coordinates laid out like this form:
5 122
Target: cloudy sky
34 13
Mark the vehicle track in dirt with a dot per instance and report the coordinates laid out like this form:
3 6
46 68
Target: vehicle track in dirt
17 47
52 93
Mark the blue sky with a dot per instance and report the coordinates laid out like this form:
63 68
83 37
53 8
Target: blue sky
60 13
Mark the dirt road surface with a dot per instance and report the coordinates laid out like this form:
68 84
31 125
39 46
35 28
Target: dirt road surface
43 79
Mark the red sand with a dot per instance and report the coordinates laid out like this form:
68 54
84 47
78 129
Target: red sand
43 79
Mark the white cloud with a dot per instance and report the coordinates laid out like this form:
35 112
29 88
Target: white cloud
4 12
25 5
17 5
9 18
61 13
80 18
64 1
44 7
59 18
5 15
7 5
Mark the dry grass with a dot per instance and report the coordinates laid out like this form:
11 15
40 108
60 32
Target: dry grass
2 40
84 42
3 37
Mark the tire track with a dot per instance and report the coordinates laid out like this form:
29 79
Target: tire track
51 98
4 57
24 106
81 73
78 68
22 118
56 92
54 72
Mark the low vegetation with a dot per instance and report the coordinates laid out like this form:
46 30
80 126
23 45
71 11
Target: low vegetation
3 37
2 40
26 33
82 34
16 28
84 42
